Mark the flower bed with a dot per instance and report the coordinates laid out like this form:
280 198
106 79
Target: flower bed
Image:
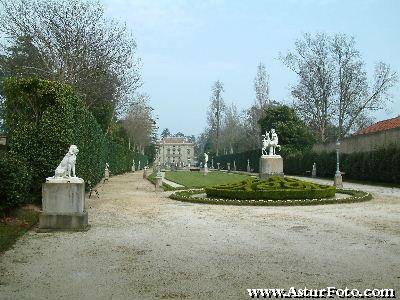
188 196
274 188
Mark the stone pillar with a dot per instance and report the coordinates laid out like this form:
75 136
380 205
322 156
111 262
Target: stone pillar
248 166
271 165
338 181
314 171
159 179
63 203
145 173
228 167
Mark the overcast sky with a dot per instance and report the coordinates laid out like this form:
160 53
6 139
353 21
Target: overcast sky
187 45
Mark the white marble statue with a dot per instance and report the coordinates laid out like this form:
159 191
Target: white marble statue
270 143
65 172
205 160
107 172
67 166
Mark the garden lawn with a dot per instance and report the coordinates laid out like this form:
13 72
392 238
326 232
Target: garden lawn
198 180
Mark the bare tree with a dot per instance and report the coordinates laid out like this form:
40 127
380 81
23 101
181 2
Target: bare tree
312 63
261 87
139 122
215 112
333 87
233 134
75 43
257 110
355 99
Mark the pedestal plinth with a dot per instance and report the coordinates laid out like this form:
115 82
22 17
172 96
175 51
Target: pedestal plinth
63 203
205 171
338 181
271 165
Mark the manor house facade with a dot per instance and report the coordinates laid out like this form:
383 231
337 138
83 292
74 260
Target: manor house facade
176 151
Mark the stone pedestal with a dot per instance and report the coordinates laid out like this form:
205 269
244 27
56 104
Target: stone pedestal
338 181
205 171
314 173
159 180
63 203
271 165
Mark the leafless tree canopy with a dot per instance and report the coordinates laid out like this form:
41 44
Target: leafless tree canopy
73 42
254 113
333 88
139 122
261 87
215 112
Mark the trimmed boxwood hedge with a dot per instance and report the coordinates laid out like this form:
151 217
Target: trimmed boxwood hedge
15 180
187 196
380 165
43 119
274 188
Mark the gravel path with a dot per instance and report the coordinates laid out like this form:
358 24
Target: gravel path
374 190
143 245
171 183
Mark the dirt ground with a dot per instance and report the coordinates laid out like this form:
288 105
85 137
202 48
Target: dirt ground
143 245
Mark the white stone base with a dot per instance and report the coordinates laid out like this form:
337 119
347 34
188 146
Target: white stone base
338 181
63 206
270 165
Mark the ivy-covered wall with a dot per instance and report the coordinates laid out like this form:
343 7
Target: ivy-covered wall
43 119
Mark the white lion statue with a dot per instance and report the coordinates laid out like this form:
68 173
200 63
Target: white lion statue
67 166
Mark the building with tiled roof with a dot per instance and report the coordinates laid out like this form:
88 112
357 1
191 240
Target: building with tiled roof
175 151
381 126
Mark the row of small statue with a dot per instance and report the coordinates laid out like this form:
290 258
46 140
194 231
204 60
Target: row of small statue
66 168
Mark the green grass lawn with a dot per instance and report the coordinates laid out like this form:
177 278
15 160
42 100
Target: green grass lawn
198 180
15 225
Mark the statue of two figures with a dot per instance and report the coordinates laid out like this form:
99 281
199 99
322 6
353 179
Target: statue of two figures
270 143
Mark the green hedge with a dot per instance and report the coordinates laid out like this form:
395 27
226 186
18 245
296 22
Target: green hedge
240 160
44 118
381 165
274 188
188 196
15 179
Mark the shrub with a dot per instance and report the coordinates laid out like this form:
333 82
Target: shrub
44 118
240 160
189 196
380 165
274 188
15 181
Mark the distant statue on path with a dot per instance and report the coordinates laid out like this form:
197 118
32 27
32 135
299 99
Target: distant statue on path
205 160
106 173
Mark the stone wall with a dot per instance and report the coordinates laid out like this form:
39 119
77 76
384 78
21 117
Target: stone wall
363 142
